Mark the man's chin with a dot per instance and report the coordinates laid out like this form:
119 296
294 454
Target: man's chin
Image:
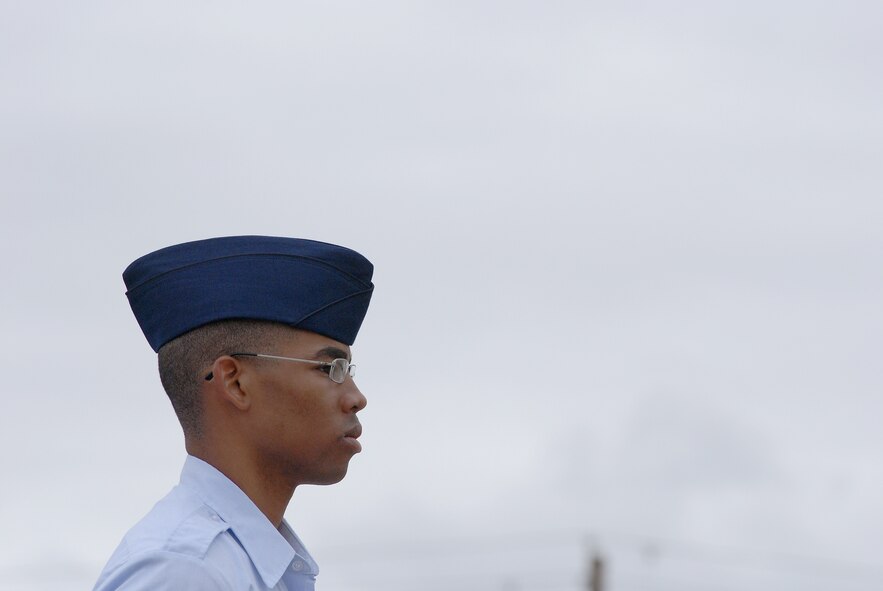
330 478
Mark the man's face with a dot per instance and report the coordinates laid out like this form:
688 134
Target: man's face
304 425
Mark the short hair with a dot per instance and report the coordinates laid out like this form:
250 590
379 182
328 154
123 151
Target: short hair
185 361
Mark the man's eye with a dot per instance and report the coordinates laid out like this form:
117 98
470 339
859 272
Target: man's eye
325 368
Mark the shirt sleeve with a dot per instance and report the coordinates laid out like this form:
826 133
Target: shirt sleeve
164 571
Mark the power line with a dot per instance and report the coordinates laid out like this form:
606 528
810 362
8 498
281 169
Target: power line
769 559
658 547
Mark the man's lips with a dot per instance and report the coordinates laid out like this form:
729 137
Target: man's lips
351 437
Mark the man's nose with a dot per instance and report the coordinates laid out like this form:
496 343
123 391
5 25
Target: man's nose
354 400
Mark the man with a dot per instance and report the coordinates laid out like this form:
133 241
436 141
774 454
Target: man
253 338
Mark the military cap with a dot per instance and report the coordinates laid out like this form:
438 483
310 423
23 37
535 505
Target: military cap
305 284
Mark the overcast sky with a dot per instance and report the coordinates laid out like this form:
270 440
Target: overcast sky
628 281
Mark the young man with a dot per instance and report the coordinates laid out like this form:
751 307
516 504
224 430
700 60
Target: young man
253 337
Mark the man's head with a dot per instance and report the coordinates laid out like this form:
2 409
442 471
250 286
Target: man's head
202 304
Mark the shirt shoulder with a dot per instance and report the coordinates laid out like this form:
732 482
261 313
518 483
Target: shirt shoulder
181 523
169 546
163 571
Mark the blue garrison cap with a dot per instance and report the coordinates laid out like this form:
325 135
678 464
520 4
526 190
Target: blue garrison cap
306 284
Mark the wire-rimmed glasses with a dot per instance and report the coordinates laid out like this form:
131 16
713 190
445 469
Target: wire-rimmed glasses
338 368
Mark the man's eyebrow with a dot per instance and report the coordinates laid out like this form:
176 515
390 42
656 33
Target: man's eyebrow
333 353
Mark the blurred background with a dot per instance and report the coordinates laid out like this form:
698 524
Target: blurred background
628 303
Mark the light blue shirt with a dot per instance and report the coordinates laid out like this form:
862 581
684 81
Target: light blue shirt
207 535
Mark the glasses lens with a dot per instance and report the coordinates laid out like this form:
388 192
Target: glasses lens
339 369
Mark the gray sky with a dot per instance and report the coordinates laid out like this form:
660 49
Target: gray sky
627 265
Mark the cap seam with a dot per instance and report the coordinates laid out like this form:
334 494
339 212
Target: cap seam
334 303
235 256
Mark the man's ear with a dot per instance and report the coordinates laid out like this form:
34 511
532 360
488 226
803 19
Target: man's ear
227 382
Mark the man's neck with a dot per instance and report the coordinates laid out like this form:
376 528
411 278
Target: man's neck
270 493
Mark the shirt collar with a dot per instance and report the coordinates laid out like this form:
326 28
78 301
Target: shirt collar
268 549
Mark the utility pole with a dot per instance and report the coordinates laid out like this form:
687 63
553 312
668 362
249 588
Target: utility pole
596 572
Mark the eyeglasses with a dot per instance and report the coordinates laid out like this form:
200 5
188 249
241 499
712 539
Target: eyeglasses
338 369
